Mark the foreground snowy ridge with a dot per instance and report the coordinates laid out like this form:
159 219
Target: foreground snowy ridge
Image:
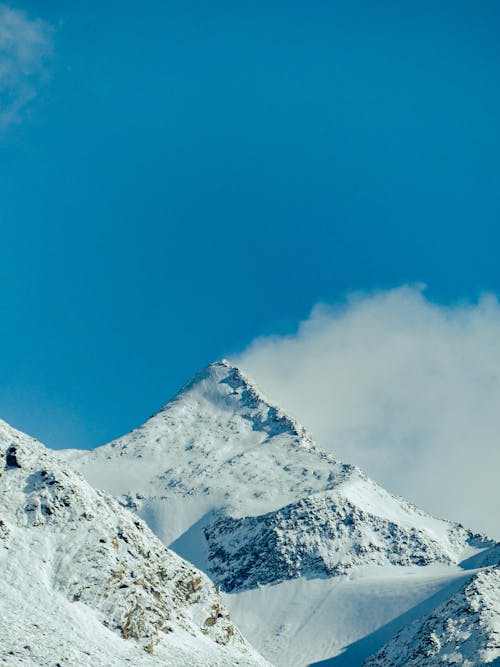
85 582
240 489
465 630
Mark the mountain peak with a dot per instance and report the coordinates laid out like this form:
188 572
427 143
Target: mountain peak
237 487
226 386
220 372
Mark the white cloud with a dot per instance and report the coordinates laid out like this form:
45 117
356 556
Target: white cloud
25 46
407 389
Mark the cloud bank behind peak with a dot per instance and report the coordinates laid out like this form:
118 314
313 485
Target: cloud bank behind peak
406 388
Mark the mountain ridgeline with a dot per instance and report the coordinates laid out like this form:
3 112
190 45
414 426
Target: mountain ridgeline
220 513
315 561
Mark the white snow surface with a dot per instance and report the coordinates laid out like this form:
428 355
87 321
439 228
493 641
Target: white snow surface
464 630
339 620
240 489
85 582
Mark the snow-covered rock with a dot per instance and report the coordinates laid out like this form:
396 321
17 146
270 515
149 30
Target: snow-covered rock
322 535
464 630
217 444
241 490
85 582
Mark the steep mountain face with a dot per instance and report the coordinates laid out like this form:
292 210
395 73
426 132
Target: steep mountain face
322 535
218 444
241 490
85 582
465 630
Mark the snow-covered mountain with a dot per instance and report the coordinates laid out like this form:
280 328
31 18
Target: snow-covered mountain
314 558
323 535
464 630
85 582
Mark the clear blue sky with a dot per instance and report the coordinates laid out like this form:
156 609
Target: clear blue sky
194 174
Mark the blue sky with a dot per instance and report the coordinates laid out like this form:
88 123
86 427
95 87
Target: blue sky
187 176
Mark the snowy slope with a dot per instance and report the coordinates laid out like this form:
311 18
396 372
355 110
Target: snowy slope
217 444
464 630
339 620
85 582
240 489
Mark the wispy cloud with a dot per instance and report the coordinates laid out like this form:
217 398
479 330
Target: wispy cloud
25 47
405 388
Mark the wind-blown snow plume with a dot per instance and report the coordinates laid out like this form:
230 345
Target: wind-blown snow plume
25 46
405 388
